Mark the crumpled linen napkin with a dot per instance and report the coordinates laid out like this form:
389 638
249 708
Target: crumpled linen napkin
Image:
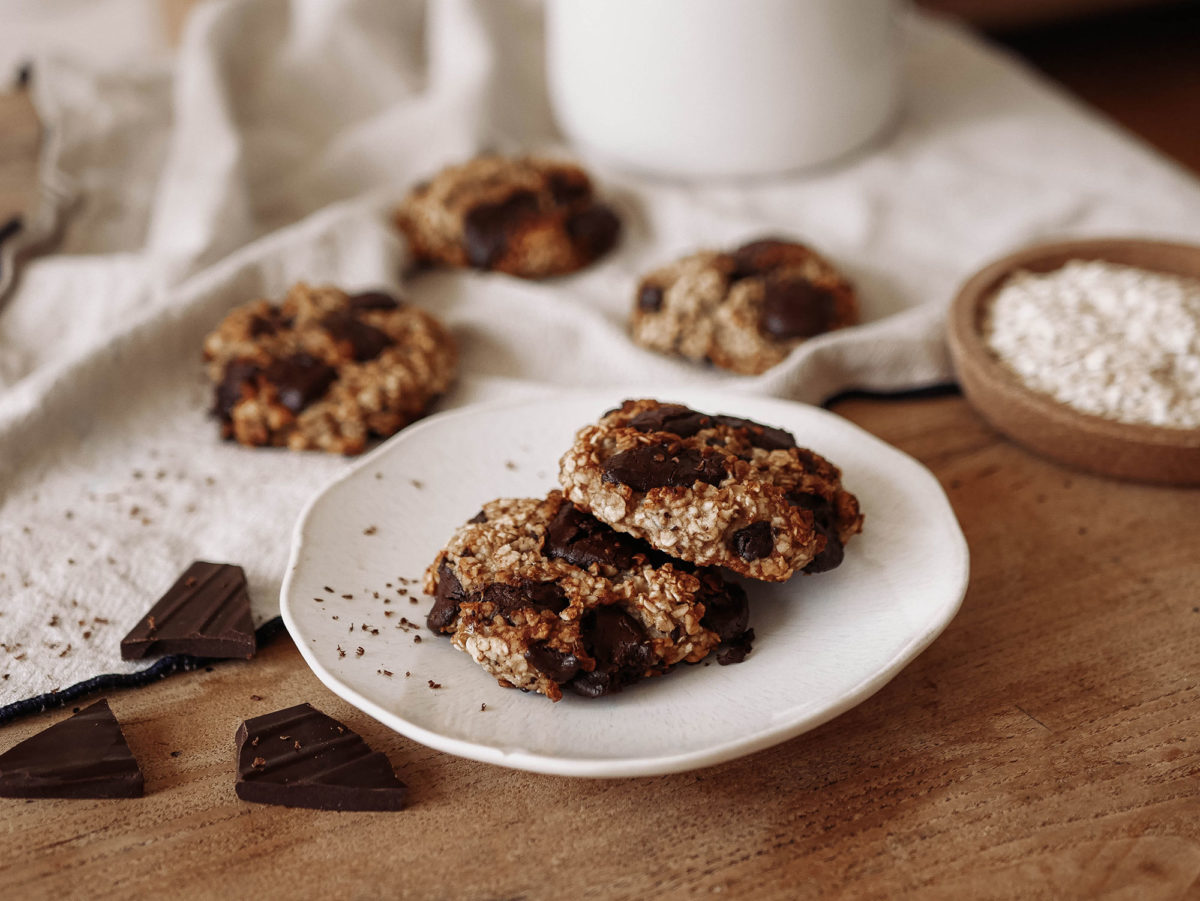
272 149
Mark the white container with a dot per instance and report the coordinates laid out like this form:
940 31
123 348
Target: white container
725 88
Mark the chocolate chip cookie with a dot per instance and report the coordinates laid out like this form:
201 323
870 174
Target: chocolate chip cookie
712 490
528 217
326 370
545 597
744 310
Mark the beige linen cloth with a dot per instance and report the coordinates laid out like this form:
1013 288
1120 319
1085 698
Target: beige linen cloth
270 150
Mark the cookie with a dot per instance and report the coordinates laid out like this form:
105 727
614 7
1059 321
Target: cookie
712 490
326 370
545 597
744 311
528 217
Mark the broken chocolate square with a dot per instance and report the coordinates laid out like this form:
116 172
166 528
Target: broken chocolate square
299 757
206 613
84 756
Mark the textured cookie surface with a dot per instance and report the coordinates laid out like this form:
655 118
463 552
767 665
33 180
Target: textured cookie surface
326 370
743 310
544 597
712 490
528 217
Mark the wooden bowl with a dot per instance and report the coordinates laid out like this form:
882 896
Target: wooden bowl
1141 453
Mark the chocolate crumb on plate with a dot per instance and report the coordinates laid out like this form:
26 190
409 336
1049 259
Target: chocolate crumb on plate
326 766
210 617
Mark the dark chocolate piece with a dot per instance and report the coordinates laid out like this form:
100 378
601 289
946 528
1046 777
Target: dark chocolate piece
299 757
507 598
558 666
486 227
650 466
795 308
753 542
270 322
594 229
726 612
736 649
373 300
568 189
366 342
758 257
650 298
229 391
618 643
445 602
510 598
478 518
581 540
263 325
764 436
825 522
299 380
686 422
83 756
206 613
726 609
674 418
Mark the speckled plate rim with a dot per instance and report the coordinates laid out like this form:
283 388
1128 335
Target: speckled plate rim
940 615
966 338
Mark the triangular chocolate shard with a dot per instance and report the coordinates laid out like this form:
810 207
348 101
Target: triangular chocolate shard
206 613
84 756
299 757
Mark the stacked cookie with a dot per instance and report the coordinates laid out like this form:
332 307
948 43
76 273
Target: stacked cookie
622 574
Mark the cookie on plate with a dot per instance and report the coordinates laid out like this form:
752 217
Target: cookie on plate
528 217
326 370
712 490
744 311
545 597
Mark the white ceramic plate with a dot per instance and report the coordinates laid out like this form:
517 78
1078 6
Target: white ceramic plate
824 643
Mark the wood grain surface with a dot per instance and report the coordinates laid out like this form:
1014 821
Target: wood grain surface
1047 745
1048 740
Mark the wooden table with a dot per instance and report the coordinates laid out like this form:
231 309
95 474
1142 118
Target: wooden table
1047 744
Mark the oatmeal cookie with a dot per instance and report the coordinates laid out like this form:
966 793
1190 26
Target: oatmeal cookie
744 310
545 597
712 490
326 370
528 217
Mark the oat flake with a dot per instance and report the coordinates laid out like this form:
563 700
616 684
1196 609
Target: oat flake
1114 341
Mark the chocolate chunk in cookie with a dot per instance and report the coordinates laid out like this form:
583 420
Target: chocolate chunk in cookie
647 466
744 310
582 540
753 542
547 599
713 490
486 227
525 216
298 380
326 370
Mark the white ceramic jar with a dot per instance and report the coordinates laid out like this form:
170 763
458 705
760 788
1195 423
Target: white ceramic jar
725 88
